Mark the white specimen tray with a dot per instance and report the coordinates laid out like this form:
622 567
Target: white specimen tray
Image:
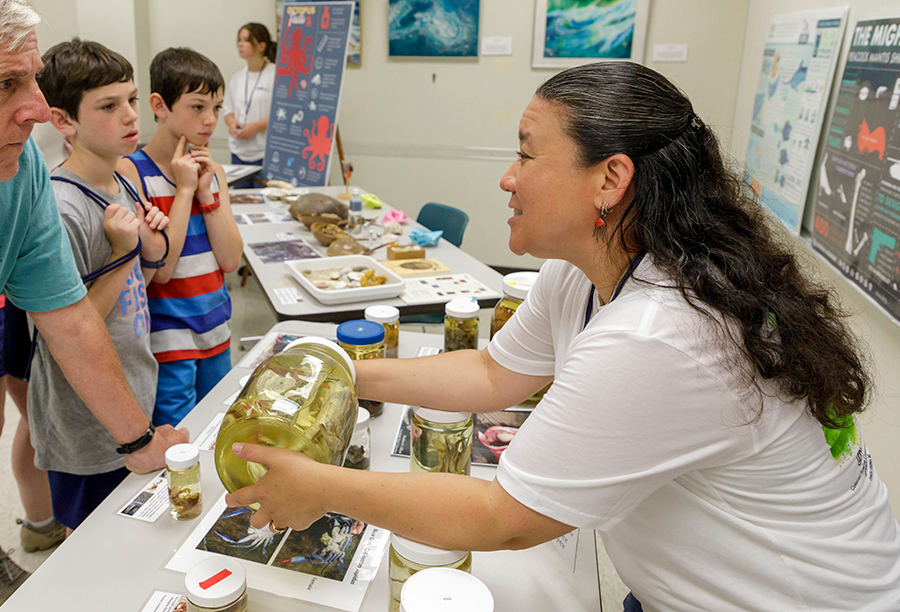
390 289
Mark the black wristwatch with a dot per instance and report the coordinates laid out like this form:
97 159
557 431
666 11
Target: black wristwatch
133 447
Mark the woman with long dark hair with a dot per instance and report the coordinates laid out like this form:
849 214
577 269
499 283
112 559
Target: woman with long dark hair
249 97
704 387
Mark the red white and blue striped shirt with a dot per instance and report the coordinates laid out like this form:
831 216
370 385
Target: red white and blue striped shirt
189 315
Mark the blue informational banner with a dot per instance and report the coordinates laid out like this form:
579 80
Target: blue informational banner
312 54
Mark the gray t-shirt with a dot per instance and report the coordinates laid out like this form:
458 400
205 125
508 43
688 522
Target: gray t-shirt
65 434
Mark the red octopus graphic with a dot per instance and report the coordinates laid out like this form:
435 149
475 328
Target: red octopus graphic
319 138
870 142
294 58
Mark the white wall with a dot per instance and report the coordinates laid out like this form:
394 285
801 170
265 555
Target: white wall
411 126
881 425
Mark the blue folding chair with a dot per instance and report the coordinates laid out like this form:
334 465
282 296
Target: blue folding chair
452 221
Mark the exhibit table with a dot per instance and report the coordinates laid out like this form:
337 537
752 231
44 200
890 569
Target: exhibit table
113 562
234 173
290 300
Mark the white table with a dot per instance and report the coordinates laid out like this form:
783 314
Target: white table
274 276
234 173
115 563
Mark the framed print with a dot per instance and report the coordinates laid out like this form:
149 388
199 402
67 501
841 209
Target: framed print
433 28
573 32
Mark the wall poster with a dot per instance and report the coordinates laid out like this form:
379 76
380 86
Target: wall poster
572 32
433 28
309 75
799 62
857 203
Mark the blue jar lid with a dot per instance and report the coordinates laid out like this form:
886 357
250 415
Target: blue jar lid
360 332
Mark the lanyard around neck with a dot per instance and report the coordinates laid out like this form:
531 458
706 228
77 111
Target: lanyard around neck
103 204
248 98
589 310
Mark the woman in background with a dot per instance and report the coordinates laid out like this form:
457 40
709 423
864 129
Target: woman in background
248 98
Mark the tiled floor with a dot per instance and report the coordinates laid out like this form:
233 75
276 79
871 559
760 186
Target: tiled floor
251 316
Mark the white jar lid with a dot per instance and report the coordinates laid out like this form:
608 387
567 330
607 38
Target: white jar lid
462 308
316 341
518 284
182 456
441 416
382 314
215 582
362 418
440 589
424 554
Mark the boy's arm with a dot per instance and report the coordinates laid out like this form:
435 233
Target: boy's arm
121 228
184 169
79 342
222 229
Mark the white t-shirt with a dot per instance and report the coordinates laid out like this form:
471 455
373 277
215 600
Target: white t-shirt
649 436
249 98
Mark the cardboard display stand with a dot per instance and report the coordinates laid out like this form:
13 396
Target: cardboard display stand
312 54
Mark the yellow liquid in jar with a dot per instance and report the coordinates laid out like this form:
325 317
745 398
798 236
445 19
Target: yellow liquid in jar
441 447
297 401
185 501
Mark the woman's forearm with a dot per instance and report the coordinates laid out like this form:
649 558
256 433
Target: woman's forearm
462 381
445 510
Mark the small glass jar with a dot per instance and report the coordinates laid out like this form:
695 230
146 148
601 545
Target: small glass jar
407 557
389 317
183 476
441 441
363 340
448 590
218 584
515 289
461 324
359 454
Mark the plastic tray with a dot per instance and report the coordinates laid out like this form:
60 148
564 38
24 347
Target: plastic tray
391 289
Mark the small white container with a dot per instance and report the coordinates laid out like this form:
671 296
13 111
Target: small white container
359 453
389 318
461 324
407 557
218 584
445 590
183 479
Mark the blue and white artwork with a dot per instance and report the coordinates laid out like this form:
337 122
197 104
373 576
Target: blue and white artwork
569 32
429 28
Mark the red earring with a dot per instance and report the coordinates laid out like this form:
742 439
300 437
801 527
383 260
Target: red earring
600 222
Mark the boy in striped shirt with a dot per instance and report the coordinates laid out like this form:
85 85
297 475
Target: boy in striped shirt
190 307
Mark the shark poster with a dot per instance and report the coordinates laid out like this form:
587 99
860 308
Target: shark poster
857 200
799 61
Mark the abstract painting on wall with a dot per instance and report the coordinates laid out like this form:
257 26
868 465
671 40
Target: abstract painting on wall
433 28
573 32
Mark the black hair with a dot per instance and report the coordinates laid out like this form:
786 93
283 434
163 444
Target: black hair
177 71
260 34
74 67
704 228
